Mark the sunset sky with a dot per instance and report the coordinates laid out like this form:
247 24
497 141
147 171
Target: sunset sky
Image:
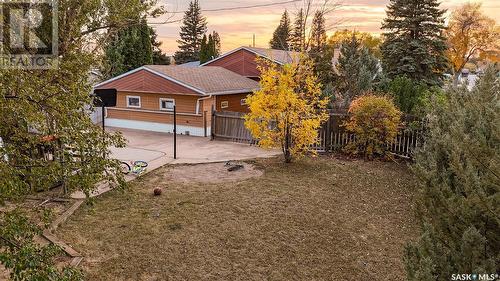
236 27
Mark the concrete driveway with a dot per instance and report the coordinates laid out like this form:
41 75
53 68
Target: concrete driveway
154 146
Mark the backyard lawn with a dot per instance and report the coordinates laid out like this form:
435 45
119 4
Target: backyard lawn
316 219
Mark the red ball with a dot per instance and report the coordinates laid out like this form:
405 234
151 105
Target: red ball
157 191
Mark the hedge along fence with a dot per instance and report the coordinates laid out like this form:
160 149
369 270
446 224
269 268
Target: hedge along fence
332 136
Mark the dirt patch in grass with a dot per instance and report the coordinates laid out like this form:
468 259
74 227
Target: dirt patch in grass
211 173
316 219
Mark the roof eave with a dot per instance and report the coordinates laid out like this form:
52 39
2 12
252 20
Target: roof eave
232 92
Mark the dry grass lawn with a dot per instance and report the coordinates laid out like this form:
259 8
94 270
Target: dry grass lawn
317 219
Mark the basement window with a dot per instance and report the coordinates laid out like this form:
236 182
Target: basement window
167 104
134 101
224 104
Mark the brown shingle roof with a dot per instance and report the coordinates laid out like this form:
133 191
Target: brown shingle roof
209 79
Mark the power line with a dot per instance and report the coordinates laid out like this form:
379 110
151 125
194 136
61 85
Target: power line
244 7
227 9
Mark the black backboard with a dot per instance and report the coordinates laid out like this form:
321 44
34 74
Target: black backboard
105 96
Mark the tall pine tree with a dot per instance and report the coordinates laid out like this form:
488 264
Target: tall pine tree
216 48
319 51
281 36
414 45
357 69
194 26
298 35
159 58
204 50
210 48
458 169
129 49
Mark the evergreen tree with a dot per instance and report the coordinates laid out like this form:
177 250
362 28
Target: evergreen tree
194 26
129 49
204 50
210 48
414 45
357 69
281 36
317 42
298 35
319 51
216 44
159 58
458 168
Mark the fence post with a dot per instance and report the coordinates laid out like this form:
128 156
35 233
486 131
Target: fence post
328 133
212 125
205 123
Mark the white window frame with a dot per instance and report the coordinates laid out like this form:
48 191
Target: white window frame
133 106
166 99
224 102
243 102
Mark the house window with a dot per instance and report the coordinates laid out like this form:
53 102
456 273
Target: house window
243 101
224 104
134 101
167 104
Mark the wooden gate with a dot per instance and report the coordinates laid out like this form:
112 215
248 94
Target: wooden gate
230 126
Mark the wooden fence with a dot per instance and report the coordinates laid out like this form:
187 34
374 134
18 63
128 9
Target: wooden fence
230 126
332 136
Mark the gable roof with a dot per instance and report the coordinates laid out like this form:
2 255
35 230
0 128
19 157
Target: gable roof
210 80
278 56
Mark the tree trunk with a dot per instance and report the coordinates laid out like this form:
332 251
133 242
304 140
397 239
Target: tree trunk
456 76
288 155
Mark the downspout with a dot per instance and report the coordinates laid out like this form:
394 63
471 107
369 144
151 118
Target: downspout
198 103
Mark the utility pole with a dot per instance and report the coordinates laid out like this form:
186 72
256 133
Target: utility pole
175 133
253 41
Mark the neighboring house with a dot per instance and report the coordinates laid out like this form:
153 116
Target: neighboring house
147 95
243 60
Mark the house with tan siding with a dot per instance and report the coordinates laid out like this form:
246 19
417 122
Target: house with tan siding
146 97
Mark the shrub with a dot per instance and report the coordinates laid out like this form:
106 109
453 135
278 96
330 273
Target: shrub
407 93
458 199
374 120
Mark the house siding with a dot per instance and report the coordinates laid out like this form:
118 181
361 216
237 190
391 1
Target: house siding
151 101
150 117
242 62
234 103
145 81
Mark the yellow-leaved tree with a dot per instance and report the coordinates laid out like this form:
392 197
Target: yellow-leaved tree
469 33
288 110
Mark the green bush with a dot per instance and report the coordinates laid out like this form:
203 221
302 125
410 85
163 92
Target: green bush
458 171
407 94
374 120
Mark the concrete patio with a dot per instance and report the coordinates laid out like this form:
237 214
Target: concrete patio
157 149
152 146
